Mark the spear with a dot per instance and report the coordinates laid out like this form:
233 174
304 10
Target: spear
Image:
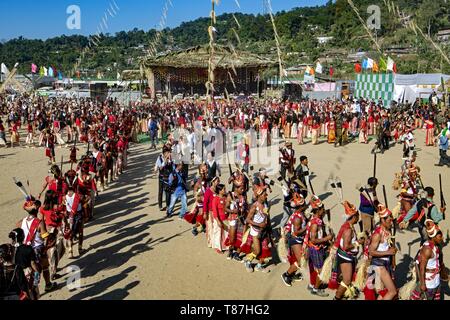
443 204
374 165
394 225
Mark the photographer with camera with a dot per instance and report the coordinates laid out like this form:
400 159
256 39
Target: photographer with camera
302 173
178 187
368 204
287 160
13 283
25 261
260 179
164 167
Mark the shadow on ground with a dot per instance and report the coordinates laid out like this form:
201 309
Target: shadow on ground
124 236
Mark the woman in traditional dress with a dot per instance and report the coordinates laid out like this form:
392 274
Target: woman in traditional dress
220 220
371 125
309 122
429 141
331 131
363 131
354 126
345 128
315 132
15 137
294 130
300 131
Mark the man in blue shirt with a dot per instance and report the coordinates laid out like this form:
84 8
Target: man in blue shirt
153 131
385 136
443 146
177 182
427 210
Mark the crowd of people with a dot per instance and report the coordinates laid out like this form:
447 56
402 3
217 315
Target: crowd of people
54 219
235 213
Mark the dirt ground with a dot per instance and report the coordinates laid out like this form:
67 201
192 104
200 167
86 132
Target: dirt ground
135 253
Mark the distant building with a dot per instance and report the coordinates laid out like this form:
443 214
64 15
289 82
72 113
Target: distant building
444 35
399 50
298 70
323 40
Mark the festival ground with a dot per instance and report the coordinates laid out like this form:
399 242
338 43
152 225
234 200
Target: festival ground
134 252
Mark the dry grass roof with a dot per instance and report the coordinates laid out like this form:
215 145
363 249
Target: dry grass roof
198 57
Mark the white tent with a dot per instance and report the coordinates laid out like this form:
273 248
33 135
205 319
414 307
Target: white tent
409 87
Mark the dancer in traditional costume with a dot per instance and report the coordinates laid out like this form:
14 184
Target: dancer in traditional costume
74 215
36 236
347 252
316 240
237 208
53 217
295 231
258 239
381 250
429 266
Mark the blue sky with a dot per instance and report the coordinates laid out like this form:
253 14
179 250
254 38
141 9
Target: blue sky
43 19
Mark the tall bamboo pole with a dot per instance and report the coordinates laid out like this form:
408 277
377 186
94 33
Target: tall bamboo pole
210 86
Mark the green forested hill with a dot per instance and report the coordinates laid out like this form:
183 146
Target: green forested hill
298 29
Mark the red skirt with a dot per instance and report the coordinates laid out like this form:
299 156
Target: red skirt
371 294
194 217
83 138
48 152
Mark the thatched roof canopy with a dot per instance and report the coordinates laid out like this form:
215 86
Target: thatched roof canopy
128 75
198 57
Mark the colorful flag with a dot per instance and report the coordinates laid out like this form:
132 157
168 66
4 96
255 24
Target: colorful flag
4 70
370 63
319 68
50 72
358 68
34 68
383 65
390 64
364 64
331 71
78 74
375 67
309 71
60 76
45 72
42 72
